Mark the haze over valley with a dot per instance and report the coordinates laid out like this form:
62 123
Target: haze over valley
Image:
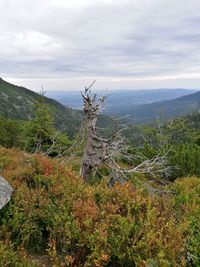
138 106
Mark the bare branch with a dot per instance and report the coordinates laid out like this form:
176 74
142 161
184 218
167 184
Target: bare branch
100 150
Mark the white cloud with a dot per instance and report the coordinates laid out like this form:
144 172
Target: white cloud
134 42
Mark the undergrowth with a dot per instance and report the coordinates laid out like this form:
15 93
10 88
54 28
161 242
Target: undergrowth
53 213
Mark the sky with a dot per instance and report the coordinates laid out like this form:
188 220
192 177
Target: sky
122 44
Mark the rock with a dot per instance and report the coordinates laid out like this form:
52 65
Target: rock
5 192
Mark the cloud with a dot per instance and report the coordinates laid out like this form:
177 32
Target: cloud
65 43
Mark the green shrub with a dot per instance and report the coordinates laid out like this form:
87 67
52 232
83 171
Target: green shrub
53 212
11 258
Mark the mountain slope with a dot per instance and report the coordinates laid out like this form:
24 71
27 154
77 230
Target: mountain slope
165 109
17 103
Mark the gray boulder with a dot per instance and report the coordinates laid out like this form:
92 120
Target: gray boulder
5 192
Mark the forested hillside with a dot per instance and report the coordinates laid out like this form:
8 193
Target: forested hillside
165 110
18 103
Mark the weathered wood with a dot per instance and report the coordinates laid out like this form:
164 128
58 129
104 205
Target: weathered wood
93 150
107 151
5 192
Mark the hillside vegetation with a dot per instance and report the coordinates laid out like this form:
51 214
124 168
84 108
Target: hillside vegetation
18 103
55 219
149 113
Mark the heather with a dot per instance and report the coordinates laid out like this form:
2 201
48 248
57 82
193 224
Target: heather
54 214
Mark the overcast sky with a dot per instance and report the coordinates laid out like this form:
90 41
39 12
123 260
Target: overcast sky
131 44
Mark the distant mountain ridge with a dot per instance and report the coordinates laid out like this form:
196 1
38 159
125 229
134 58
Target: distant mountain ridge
168 109
119 100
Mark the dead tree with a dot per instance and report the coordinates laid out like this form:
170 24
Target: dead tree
107 151
93 150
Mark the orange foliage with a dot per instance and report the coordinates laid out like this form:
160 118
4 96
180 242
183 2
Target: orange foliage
54 212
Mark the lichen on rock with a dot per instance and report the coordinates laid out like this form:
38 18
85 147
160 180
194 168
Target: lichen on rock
5 192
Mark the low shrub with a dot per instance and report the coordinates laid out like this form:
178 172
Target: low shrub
53 213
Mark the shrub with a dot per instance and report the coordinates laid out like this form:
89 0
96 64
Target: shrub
9 257
53 212
187 205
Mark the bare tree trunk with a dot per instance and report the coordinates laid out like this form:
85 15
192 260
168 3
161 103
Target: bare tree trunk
94 146
88 163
